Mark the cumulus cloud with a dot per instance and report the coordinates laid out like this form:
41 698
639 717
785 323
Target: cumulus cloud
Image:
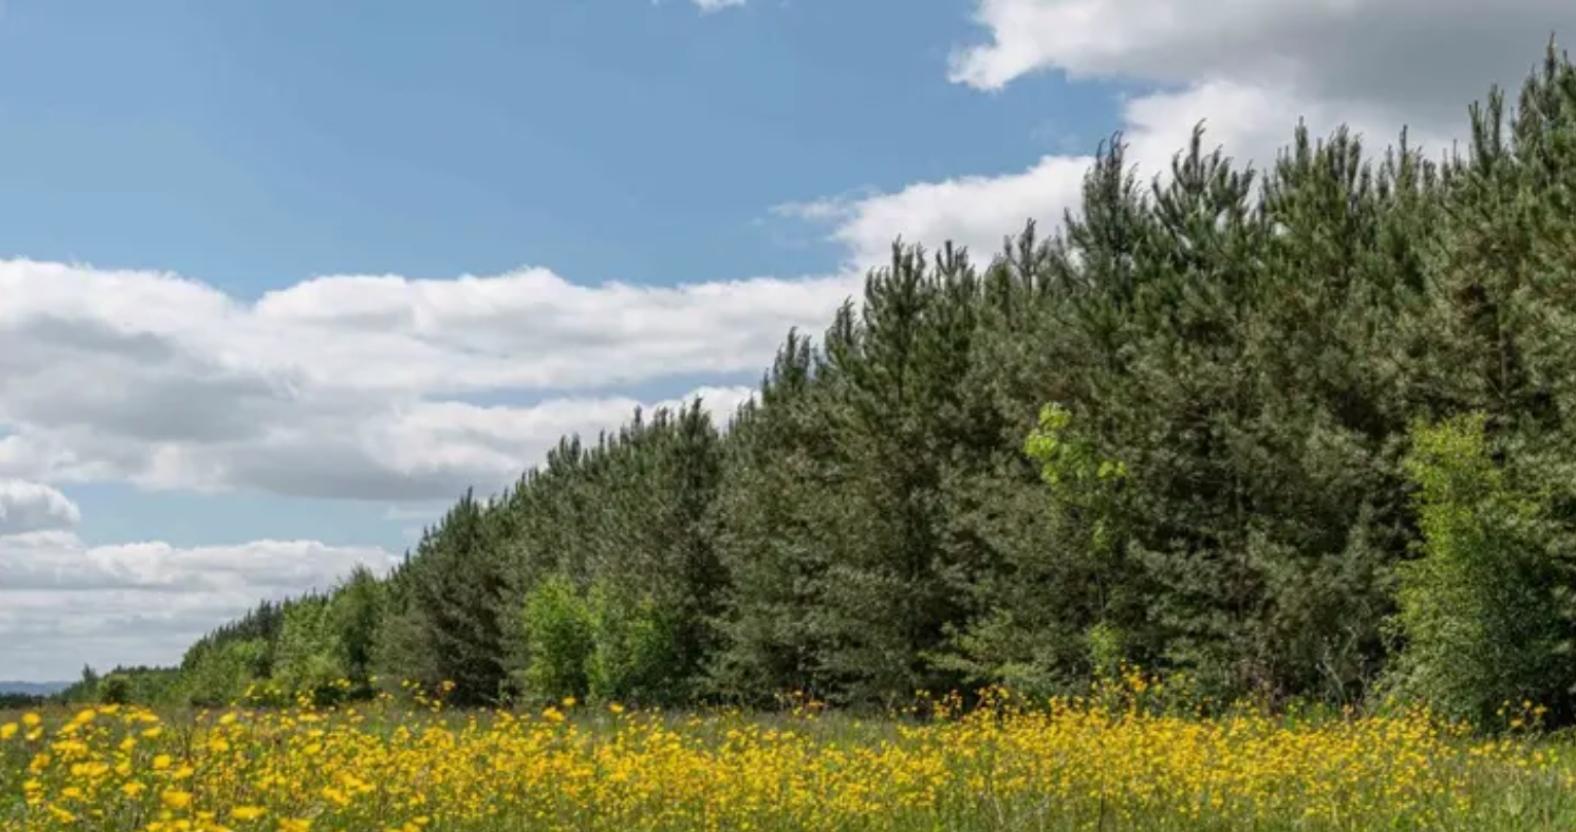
709 6
31 507
64 603
526 329
1250 70
369 387
974 211
1418 56
353 386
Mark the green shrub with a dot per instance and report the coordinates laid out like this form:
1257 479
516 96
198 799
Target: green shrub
559 635
115 689
308 656
221 675
1479 610
635 658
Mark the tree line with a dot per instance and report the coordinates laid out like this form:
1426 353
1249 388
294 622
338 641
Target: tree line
1291 433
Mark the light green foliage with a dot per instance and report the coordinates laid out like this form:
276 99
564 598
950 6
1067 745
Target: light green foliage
1479 609
560 635
1107 653
221 674
636 656
1079 478
1067 462
599 644
309 655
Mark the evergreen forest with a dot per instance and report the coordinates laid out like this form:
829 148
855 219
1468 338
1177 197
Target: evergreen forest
1300 432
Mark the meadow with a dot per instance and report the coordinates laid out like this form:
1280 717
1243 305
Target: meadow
1066 764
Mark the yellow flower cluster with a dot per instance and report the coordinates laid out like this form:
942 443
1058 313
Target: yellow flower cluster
1066 764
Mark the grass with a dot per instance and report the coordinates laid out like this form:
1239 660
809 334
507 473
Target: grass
1010 765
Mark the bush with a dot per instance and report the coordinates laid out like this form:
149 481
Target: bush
1479 610
115 689
559 637
635 657
606 644
220 675
308 656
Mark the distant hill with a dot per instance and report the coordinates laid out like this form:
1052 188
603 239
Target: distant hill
33 688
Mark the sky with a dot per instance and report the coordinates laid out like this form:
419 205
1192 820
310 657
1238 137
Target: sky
279 281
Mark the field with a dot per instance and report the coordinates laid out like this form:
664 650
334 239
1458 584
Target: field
1060 765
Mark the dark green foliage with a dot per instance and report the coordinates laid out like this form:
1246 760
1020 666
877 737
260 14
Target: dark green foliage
1174 433
626 516
21 701
146 685
355 611
770 537
454 591
115 689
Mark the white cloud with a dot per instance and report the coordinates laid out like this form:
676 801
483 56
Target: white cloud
975 211
1422 55
709 6
352 386
1248 69
365 387
1378 64
526 329
64 603
31 507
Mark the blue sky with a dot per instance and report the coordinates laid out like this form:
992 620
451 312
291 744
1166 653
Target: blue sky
278 280
252 145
